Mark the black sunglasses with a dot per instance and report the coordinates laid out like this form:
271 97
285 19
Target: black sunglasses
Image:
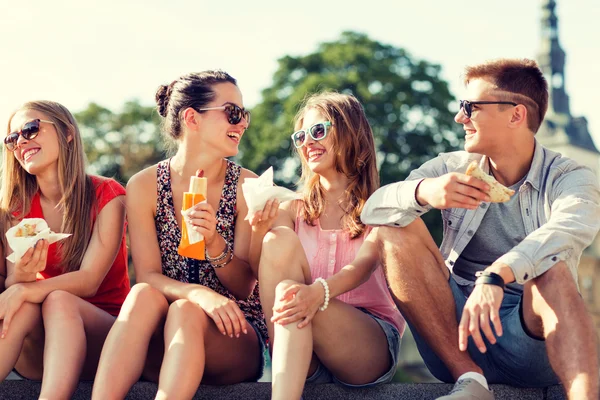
29 131
467 106
318 132
234 113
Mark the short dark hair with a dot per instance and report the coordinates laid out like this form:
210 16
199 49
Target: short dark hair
193 90
520 77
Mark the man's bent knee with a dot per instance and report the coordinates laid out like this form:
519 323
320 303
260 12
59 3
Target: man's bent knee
413 234
556 283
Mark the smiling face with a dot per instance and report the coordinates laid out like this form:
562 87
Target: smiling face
215 127
40 153
318 155
487 131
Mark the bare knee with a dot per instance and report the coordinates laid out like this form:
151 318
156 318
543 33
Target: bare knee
412 245
555 287
187 314
280 240
551 297
60 302
283 286
409 236
144 299
30 310
279 245
27 316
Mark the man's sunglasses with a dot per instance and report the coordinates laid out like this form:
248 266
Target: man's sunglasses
234 113
29 131
318 132
467 106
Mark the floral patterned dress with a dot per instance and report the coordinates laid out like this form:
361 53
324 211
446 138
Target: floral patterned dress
189 270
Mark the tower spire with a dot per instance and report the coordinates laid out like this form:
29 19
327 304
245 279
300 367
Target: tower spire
552 60
559 128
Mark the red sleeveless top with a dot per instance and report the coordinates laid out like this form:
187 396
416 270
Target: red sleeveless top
115 286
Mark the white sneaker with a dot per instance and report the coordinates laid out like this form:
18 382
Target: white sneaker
468 389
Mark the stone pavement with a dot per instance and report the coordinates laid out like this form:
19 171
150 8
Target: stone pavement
26 390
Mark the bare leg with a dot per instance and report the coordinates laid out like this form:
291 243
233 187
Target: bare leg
126 348
196 351
23 346
350 344
75 332
283 262
418 281
554 310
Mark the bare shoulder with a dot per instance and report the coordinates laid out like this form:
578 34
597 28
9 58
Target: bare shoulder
291 209
246 173
143 179
141 187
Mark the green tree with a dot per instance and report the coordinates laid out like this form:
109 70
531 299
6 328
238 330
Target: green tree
406 101
120 144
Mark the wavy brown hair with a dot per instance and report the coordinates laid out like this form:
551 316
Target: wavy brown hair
78 200
354 149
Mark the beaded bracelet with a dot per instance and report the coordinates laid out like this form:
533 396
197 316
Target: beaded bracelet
326 287
218 258
221 265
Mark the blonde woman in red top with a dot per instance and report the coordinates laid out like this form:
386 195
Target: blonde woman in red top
58 301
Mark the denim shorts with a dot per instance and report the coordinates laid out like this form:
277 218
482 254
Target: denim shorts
264 352
517 358
323 375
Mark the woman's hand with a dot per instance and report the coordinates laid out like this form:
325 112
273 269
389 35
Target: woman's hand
10 301
263 220
298 302
32 262
202 217
228 317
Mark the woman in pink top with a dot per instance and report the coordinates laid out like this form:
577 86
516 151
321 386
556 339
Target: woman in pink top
325 298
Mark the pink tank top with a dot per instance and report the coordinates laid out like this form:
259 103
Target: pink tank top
328 251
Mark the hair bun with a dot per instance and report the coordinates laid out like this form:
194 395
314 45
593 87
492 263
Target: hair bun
163 94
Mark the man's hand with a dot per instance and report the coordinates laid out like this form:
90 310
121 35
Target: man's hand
483 306
453 190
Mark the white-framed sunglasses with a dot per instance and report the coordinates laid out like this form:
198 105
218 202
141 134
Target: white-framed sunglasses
318 132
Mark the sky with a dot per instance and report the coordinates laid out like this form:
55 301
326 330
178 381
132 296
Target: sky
113 51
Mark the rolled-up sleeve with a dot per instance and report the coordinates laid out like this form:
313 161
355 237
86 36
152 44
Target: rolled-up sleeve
573 224
396 204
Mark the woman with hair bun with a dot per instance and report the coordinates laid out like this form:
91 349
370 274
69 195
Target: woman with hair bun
188 321
329 311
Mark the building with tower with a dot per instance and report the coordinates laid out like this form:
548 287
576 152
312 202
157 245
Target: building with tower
570 136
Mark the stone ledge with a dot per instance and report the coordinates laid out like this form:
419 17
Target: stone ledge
25 390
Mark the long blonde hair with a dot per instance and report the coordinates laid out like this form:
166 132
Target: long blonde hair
354 148
78 201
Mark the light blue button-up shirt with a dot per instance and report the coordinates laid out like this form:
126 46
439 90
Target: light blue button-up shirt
559 205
